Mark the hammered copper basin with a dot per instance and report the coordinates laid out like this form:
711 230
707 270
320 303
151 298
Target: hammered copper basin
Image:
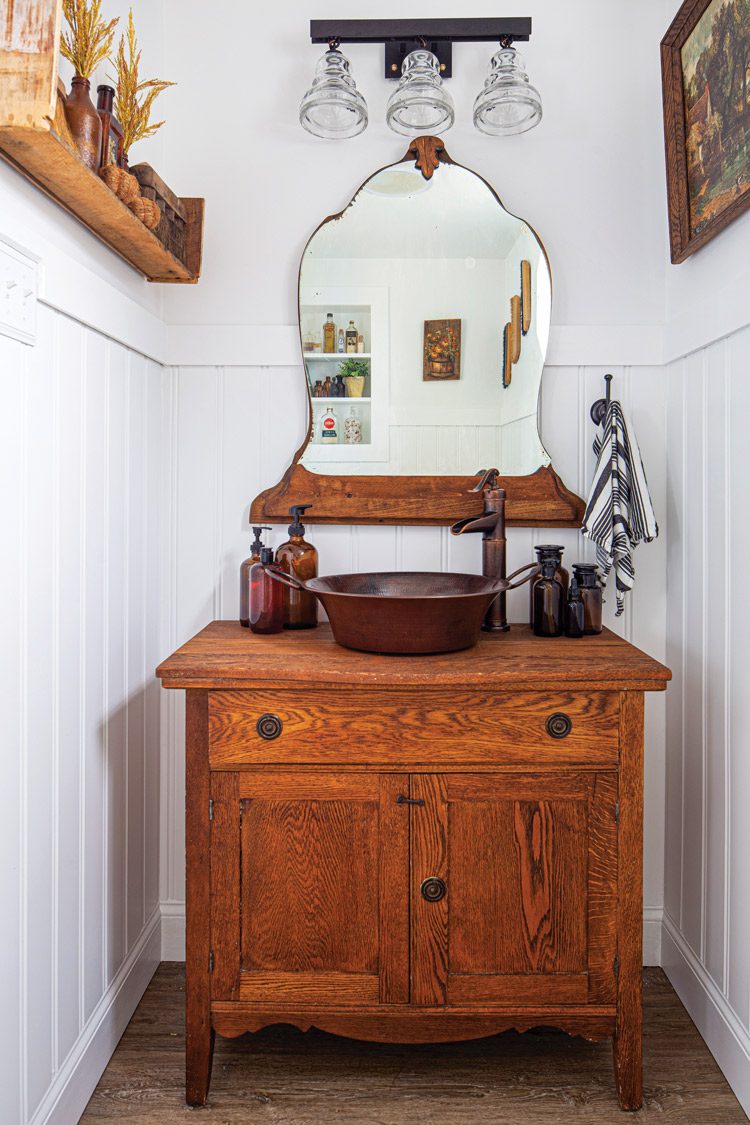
404 611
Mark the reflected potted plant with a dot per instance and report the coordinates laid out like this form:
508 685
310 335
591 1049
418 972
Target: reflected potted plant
85 44
354 373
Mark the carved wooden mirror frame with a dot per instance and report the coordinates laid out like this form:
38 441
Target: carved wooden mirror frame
536 500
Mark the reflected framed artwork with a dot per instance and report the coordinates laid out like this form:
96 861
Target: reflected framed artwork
706 86
442 350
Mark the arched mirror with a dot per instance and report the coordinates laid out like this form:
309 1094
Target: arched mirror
424 313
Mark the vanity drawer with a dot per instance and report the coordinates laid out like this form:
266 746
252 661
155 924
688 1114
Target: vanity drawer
407 728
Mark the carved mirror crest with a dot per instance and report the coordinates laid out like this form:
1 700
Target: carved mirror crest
424 314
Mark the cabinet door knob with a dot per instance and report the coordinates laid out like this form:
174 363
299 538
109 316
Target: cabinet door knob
269 727
559 725
433 889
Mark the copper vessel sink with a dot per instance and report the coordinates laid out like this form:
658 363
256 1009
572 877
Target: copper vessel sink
406 611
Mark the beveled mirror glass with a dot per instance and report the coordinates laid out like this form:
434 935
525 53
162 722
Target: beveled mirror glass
424 313
426 277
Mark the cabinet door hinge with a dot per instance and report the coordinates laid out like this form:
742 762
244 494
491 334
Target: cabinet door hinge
210 960
616 966
210 810
617 812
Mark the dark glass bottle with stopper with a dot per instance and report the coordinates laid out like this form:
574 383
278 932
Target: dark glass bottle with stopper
549 602
255 550
549 551
591 595
574 611
266 604
300 559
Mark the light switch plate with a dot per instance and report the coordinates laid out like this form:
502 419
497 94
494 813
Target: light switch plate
19 285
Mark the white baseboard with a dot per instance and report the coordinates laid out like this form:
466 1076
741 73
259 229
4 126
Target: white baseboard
726 1037
76 1079
173 933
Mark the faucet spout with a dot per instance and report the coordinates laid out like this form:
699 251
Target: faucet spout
491 523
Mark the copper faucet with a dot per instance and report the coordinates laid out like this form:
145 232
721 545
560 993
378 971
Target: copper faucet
492 525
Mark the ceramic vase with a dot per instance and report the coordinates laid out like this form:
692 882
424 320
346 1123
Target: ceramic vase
355 385
84 122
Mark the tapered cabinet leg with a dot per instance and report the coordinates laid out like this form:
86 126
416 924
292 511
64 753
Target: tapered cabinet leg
199 1035
199 1055
628 1037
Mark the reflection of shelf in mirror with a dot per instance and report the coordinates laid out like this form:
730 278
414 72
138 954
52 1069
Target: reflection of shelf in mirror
348 401
337 355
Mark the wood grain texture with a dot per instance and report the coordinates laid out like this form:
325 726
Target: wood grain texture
199 1035
429 920
381 727
282 1076
683 240
44 158
225 886
29 36
602 888
628 1033
313 988
538 500
224 655
393 890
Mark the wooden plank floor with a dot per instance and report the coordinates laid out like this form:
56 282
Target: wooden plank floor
281 1075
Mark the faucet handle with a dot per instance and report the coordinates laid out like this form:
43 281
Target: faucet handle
488 479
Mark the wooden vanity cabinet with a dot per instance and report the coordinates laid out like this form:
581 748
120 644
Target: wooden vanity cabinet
413 849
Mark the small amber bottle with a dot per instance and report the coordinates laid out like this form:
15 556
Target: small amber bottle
587 577
549 551
549 602
329 334
299 558
245 575
575 618
266 597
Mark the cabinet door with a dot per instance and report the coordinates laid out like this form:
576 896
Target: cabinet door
309 888
529 864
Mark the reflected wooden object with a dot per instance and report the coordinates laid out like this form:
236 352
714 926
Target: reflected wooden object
515 325
525 296
507 354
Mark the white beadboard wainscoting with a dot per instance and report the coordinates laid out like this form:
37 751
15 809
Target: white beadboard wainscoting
80 464
229 433
706 941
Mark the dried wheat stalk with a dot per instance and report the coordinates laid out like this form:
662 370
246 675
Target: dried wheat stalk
134 99
89 39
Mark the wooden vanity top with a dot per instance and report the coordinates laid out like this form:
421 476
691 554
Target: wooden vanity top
226 655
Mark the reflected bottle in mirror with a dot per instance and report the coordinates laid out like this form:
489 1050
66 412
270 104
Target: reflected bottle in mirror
329 334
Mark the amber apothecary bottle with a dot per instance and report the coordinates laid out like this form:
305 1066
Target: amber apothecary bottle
575 616
300 559
587 578
329 334
549 602
266 597
245 568
549 551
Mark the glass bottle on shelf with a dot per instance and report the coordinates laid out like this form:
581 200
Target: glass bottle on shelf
575 615
338 390
318 389
352 429
549 551
341 342
327 387
329 427
360 344
266 597
329 334
351 339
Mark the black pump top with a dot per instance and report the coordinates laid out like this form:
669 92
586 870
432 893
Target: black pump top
296 512
266 555
257 541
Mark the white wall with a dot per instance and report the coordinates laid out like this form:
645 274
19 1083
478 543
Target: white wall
80 466
706 949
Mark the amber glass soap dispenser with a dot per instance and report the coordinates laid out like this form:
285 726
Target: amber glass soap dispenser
298 557
245 575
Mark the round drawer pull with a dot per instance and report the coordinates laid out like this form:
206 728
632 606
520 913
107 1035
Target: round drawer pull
559 725
433 889
269 727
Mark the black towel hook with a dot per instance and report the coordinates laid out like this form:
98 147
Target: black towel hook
599 408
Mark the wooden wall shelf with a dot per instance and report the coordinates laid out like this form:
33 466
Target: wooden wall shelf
46 160
42 150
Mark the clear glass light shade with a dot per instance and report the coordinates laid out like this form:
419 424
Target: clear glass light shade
420 103
333 107
508 103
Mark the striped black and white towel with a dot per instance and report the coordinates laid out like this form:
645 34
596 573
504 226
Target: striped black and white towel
619 513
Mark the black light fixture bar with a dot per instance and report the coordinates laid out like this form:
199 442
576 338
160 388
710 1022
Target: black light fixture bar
431 30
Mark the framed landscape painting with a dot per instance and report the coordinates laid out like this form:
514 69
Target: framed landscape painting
706 83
